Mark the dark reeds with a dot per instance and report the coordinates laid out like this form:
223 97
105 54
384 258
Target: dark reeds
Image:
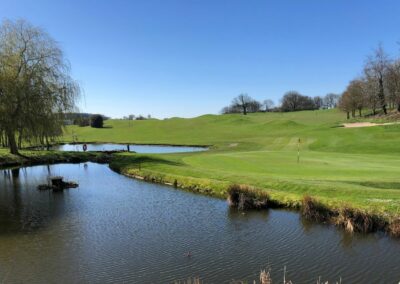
315 211
244 197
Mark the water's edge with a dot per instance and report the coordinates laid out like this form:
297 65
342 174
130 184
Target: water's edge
106 158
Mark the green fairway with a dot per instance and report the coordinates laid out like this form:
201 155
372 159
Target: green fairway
357 167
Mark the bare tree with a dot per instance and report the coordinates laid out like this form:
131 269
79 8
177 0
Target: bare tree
291 101
35 85
318 102
294 101
242 101
375 70
345 104
268 104
357 100
393 83
331 100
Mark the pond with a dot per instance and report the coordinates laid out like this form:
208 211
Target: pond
115 229
133 148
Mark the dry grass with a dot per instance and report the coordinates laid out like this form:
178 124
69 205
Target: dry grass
194 280
353 220
244 197
313 210
265 278
394 228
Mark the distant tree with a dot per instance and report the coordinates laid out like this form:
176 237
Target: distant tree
242 101
131 117
371 93
331 100
254 106
35 85
393 84
375 71
355 91
318 102
294 101
96 121
82 121
242 104
291 101
268 105
345 104
231 109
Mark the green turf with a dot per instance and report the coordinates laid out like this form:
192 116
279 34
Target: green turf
358 167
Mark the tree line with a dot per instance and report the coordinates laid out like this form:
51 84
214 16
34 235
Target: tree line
291 101
377 89
36 88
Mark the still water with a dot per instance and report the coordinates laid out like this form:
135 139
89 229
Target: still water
115 229
135 148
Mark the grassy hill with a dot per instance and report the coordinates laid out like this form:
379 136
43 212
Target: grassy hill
357 167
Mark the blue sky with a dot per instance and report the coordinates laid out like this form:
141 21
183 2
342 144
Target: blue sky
191 57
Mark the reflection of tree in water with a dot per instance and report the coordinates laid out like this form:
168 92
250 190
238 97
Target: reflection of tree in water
22 208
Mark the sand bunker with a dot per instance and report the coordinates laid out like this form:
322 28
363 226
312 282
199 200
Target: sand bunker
366 124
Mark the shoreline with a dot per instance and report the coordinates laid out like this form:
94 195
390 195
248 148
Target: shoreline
130 143
347 218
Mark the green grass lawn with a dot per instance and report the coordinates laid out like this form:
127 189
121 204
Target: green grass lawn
358 167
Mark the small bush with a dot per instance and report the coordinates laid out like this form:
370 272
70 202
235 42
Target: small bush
96 121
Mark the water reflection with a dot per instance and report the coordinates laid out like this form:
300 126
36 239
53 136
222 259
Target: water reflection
114 229
132 148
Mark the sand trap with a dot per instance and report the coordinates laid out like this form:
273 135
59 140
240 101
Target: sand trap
366 124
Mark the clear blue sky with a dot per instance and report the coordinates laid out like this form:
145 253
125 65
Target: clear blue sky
187 58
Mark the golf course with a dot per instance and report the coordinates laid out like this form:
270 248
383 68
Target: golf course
287 155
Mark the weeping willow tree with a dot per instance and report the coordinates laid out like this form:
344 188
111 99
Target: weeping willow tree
36 88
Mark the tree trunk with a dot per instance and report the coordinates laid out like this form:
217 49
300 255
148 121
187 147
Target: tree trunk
12 143
348 115
384 109
381 96
398 107
47 144
244 110
353 113
359 112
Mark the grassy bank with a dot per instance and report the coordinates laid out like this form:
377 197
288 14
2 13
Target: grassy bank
29 158
354 168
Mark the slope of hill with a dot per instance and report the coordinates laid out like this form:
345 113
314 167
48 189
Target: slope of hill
355 167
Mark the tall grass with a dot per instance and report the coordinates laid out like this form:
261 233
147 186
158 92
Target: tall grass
244 197
264 278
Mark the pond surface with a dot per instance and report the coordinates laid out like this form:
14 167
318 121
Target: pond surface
133 148
115 229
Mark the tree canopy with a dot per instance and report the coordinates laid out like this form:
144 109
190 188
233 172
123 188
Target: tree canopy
35 85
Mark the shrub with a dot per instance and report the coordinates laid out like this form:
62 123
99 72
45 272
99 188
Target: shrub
96 121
